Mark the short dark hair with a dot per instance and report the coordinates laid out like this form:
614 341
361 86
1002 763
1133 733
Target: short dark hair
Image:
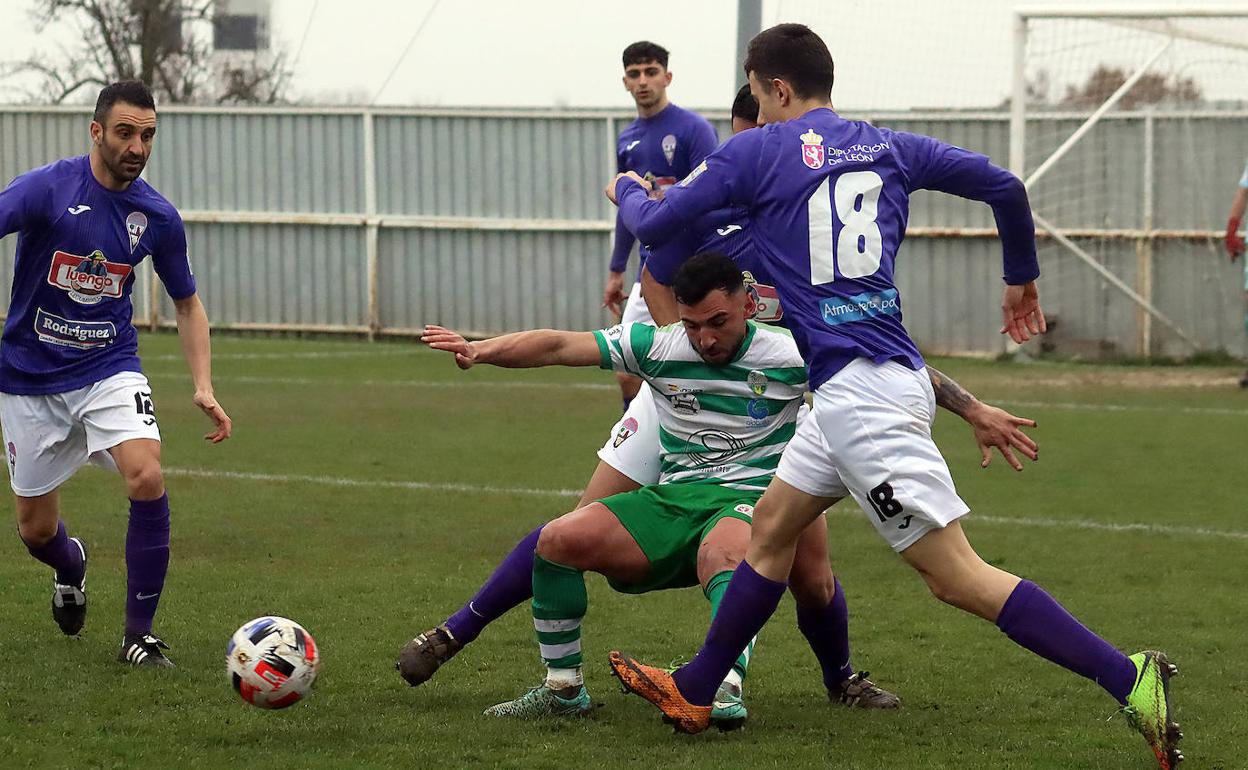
745 106
129 91
644 51
703 273
794 54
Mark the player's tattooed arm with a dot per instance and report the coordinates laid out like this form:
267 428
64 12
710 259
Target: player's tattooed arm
993 427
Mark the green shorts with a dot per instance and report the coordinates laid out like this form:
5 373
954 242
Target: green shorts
670 521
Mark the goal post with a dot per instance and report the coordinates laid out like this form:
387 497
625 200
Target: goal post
1092 87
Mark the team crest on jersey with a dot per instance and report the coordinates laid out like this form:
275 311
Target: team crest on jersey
669 148
89 280
757 382
627 429
136 225
812 149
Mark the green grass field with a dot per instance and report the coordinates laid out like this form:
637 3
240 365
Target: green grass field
370 488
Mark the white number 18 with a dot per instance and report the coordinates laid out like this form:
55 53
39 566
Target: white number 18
860 245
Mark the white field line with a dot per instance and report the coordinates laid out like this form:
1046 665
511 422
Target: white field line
319 381
282 356
419 486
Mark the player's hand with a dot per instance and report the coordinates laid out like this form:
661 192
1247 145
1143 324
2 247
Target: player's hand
1021 314
207 404
439 338
1234 243
998 429
613 296
631 175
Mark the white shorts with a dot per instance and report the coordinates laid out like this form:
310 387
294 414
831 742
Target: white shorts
633 446
871 437
48 438
635 310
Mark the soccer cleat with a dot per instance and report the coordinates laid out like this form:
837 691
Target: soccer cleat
144 651
728 710
69 601
658 687
424 655
859 691
1148 707
541 701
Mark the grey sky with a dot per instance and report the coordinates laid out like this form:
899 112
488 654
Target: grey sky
904 54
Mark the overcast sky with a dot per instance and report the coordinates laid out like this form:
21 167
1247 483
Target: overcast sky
896 55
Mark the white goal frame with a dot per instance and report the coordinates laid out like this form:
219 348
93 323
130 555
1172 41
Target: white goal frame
1146 18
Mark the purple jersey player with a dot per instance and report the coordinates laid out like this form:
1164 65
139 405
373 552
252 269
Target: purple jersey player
828 200
662 145
71 389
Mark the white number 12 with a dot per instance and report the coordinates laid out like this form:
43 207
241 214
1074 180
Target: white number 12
860 245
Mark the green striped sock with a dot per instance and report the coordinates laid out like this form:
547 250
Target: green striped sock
559 603
715 588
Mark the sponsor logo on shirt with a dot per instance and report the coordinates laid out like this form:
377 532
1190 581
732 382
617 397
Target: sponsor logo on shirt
631 145
717 447
766 299
757 409
685 403
697 172
812 149
90 279
67 332
836 311
729 230
80 208
669 148
627 429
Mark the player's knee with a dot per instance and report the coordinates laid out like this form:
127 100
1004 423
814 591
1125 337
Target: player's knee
560 544
717 559
146 481
36 532
812 587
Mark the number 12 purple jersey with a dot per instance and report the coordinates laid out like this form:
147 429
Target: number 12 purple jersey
828 201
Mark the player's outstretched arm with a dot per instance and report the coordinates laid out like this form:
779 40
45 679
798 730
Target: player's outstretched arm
993 427
197 348
521 350
660 299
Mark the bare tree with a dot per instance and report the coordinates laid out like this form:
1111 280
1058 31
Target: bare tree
1151 88
165 43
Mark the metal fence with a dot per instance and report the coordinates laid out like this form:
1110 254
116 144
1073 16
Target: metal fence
378 221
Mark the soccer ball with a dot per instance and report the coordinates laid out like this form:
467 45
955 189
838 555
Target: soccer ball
272 662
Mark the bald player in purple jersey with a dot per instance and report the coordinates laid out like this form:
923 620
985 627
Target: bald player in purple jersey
71 388
829 199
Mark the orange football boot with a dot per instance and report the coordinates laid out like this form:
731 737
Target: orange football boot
658 687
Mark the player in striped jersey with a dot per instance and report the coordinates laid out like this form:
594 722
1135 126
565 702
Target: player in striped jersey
727 394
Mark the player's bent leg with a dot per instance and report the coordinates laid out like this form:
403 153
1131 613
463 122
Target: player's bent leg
606 481
147 549
589 538
1033 619
45 537
718 555
823 618
751 598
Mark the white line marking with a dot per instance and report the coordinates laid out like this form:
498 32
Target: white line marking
283 356
1014 521
339 481
320 382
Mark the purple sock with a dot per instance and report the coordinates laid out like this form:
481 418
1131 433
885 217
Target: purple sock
826 628
147 561
747 604
1036 621
61 555
509 585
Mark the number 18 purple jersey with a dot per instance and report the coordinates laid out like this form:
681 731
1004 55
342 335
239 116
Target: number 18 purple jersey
828 201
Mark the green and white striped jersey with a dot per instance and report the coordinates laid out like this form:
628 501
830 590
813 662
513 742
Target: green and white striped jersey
726 424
